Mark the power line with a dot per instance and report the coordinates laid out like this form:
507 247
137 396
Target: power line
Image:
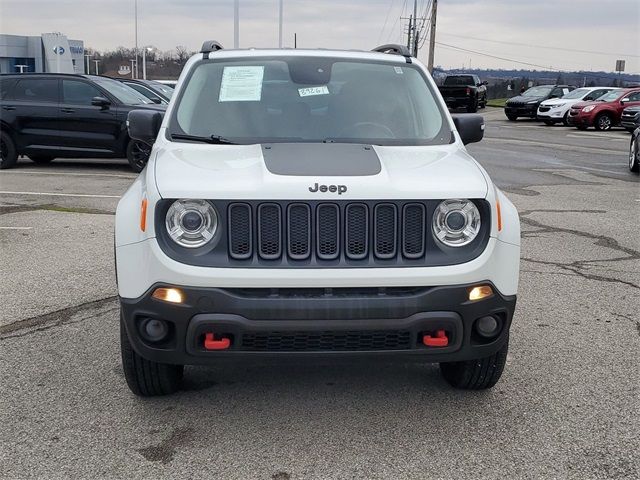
386 20
404 4
546 67
540 46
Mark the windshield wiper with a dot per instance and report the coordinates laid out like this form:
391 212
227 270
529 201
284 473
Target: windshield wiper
215 139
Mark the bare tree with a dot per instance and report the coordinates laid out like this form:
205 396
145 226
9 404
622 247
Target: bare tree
182 55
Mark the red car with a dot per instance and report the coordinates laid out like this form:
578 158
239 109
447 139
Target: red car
604 112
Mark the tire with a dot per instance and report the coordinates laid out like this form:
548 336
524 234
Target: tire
138 155
8 151
634 155
565 119
40 159
511 117
549 122
473 108
603 122
476 374
144 377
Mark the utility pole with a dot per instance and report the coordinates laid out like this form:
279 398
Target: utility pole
295 40
432 36
236 24
409 33
135 15
415 29
280 26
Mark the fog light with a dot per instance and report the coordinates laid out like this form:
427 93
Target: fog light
154 330
487 327
478 293
171 295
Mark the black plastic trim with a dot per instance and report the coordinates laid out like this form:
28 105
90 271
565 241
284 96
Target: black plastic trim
292 255
216 254
235 311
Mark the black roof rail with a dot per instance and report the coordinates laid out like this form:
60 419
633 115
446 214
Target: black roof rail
210 46
394 49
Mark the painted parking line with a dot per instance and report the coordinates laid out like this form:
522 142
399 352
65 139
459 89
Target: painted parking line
558 146
16 228
582 135
45 194
72 174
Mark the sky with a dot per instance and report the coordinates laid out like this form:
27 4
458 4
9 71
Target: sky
540 34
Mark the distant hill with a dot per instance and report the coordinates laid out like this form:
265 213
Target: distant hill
579 78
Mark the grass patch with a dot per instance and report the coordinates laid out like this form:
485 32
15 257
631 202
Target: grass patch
496 102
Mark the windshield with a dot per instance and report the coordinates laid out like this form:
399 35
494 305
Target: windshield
460 80
122 92
310 99
163 89
578 93
611 96
538 91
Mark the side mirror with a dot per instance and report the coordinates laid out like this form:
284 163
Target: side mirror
144 125
156 100
625 100
485 83
101 102
470 127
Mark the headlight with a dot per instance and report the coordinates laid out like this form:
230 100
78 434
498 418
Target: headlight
532 102
588 108
557 105
456 222
191 223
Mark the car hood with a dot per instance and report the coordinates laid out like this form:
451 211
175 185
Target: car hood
298 172
523 99
584 104
559 101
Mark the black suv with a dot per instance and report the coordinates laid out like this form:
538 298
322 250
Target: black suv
44 116
526 104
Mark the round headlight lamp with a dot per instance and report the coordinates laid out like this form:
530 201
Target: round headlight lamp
456 222
191 223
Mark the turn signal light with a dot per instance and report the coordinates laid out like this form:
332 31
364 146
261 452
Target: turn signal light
478 293
171 295
143 215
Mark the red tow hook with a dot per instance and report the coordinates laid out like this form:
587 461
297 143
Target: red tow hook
210 343
440 340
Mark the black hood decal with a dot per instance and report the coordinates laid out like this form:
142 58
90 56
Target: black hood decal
321 159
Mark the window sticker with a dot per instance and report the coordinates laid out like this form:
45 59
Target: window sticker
310 91
241 84
398 70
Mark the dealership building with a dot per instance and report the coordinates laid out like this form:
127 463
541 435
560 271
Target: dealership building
49 52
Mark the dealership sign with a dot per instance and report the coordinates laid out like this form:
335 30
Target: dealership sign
58 50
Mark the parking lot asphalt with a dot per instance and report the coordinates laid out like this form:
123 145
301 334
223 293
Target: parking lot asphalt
567 405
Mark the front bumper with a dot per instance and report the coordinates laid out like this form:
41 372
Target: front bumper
318 322
581 119
522 110
632 123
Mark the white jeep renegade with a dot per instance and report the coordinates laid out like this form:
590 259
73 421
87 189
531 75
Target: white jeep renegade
305 203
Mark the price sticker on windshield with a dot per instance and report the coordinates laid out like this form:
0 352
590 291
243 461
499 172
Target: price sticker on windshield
310 91
241 84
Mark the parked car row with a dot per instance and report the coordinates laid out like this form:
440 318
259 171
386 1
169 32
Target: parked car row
598 107
47 116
